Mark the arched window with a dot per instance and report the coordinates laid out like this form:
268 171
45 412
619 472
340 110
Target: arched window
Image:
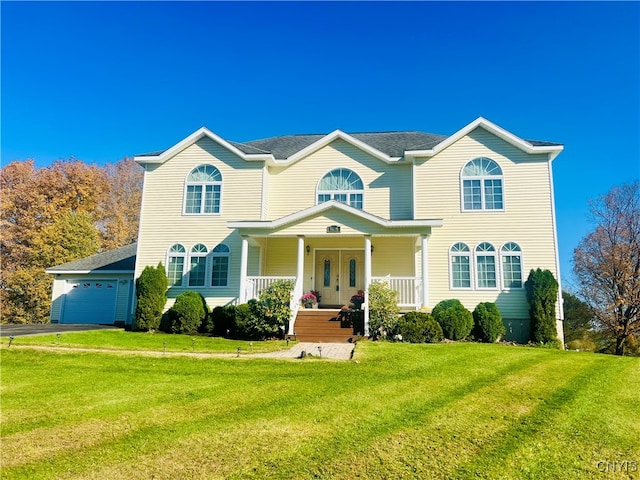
343 185
175 265
486 266
460 265
511 265
481 180
197 265
220 266
203 190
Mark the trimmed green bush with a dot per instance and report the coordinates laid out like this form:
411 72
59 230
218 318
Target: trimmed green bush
383 311
419 327
455 320
222 321
489 326
151 289
542 295
187 313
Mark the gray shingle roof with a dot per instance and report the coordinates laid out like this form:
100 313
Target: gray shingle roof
393 144
121 259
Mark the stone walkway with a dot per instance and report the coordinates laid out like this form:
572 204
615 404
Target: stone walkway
336 351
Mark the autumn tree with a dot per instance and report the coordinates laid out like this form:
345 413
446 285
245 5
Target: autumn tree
607 263
56 214
120 213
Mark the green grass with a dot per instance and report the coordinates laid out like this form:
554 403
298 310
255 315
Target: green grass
120 339
395 411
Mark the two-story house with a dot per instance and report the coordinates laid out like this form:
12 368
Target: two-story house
463 216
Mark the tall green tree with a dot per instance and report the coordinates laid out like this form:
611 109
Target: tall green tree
607 263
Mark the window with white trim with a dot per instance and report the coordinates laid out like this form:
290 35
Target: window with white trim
198 265
485 257
202 191
460 265
342 185
175 265
511 256
220 266
481 185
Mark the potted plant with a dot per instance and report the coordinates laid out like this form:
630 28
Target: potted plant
308 299
317 295
357 300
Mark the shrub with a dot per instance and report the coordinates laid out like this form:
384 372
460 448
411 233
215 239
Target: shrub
249 324
488 322
222 321
274 305
455 320
187 313
383 311
151 288
542 294
419 327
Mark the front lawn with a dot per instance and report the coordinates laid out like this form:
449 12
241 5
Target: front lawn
157 342
395 411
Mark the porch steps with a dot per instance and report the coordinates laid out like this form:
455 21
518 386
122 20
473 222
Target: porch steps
316 325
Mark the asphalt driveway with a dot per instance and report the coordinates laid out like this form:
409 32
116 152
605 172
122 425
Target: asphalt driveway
14 330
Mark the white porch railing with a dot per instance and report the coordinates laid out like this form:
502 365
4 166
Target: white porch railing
255 285
409 289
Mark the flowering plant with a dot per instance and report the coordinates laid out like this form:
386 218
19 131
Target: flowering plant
308 299
316 293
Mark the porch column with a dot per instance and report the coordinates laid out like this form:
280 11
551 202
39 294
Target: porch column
244 254
367 280
300 265
297 289
424 244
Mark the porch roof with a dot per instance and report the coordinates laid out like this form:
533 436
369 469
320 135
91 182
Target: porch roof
335 206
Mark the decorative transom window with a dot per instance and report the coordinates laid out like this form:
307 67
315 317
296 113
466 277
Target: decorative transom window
175 265
511 265
198 265
482 185
460 261
486 266
343 185
202 190
220 266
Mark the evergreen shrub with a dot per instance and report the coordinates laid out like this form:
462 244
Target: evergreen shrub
488 326
419 327
542 295
151 289
187 313
455 320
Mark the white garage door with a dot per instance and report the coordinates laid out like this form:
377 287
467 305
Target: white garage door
90 302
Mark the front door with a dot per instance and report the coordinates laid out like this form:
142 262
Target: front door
328 276
352 275
339 274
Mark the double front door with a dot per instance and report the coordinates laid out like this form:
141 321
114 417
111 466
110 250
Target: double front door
339 274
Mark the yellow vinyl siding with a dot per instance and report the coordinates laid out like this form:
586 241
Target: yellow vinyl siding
163 222
387 187
526 219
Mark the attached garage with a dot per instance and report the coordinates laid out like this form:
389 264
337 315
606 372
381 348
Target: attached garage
96 289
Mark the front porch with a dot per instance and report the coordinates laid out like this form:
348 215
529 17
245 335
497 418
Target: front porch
336 250
337 269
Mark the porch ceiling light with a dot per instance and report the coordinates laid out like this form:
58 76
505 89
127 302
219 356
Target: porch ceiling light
308 249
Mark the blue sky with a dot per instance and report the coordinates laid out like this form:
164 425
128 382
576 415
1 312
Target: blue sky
103 80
